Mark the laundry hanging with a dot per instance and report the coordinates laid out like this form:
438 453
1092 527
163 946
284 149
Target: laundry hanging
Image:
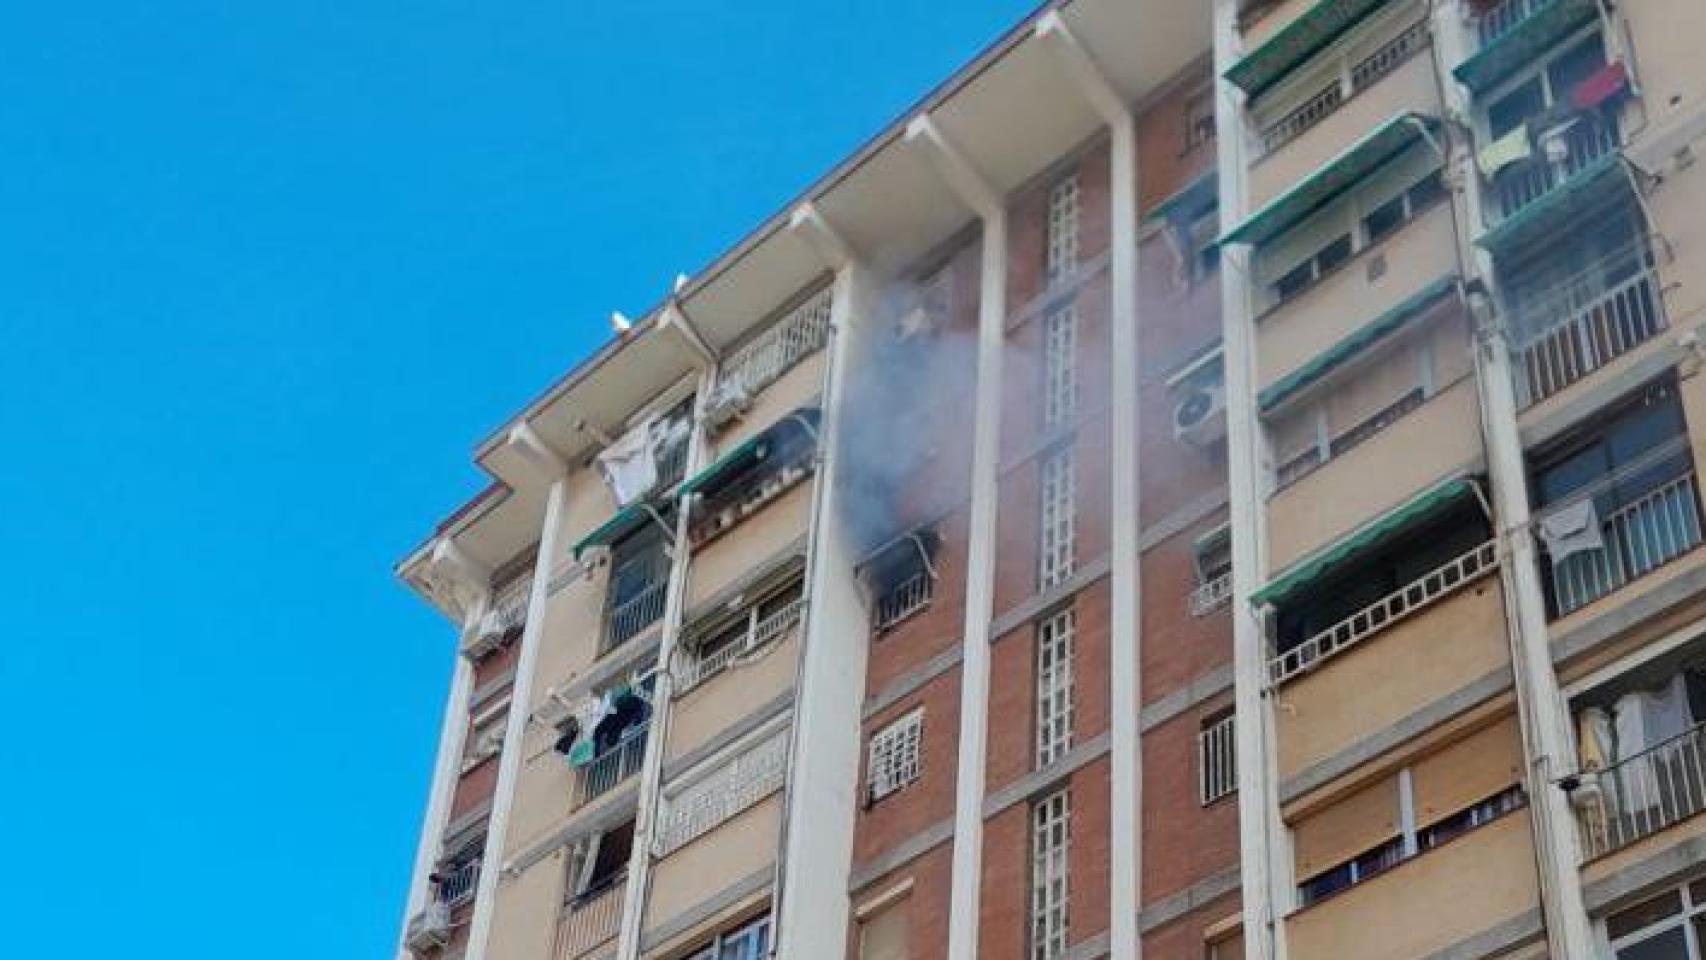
1513 147
1604 85
1571 530
629 465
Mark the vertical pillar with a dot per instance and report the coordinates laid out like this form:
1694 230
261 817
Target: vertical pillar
976 192
1261 834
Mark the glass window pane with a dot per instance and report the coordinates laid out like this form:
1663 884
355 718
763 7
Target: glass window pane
1670 945
1644 915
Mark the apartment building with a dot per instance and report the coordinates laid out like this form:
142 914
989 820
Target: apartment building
1461 359
1204 483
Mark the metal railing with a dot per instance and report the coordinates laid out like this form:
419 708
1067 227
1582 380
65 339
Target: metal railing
1589 139
1413 597
628 619
1503 17
703 806
1211 595
1217 760
787 342
591 921
1311 460
1636 797
1639 536
726 507
509 611
1576 335
696 670
904 599
614 766
1359 76
457 887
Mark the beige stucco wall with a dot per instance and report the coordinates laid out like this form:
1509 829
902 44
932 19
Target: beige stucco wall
732 695
1376 476
524 918
1675 206
800 386
708 865
1390 676
1666 38
749 543
1302 329
1468 885
1411 88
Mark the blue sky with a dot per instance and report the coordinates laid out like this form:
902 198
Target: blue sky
267 271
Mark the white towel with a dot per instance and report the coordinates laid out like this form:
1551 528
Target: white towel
630 464
1571 530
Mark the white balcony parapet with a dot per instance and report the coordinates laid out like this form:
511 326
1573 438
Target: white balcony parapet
1502 17
696 670
614 766
590 921
634 615
905 599
787 342
1211 595
1576 334
457 887
1639 537
722 795
1636 797
1351 80
1412 598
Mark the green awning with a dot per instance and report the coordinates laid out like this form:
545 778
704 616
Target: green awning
1359 340
1333 178
1356 545
1196 198
1212 540
626 521
1296 42
1522 44
747 452
1558 207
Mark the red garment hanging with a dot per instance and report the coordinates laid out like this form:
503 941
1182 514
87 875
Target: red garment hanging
1609 81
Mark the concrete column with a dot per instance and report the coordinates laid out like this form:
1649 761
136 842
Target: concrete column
1544 716
981 196
1266 872
822 799
1125 887
453 731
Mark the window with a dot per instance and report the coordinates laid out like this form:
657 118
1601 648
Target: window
900 578
1049 895
1670 926
751 942
711 797
1054 686
1058 517
883 934
1199 120
1060 365
1217 759
600 864
639 579
731 640
1203 245
1062 246
893 760
753 474
1212 554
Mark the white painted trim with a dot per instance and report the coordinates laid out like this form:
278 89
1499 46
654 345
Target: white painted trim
977 193
515 728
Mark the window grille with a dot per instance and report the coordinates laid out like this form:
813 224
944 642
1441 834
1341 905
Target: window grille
1060 367
1058 517
1049 894
1217 759
894 761
1054 686
1063 217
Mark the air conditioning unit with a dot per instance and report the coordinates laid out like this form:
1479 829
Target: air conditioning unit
1199 412
725 404
429 930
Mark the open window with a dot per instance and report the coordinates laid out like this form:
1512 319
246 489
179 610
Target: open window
900 578
1212 559
600 864
743 630
753 474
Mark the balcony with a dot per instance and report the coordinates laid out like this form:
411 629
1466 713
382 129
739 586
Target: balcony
1584 324
757 636
456 886
613 767
1639 537
700 807
1211 595
626 620
1564 158
1513 33
1641 795
764 360
591 921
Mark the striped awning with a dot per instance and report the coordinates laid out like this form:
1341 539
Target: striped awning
1296 42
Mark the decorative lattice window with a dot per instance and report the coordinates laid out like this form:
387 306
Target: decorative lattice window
1049 895
893 760
1217 759
1054 686
1060 365
1063 219
1059 519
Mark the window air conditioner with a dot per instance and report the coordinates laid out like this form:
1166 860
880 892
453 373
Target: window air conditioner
1198 412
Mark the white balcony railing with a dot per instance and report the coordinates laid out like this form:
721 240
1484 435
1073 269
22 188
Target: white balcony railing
1577 147
696 670
1636 797
627 619
794 337
904 599
1406 601
614 766
701 807
1211 595
1352 79
590 921
457 887
1503 17
1576 335
1639 536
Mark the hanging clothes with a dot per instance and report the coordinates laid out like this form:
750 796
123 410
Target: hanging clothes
1593 738
1513 147
1604 85
630 464
1571 530
1647 721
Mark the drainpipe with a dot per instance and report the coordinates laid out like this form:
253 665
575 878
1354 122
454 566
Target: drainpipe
976 192
1262 838
1544 718
545 464
1125 888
